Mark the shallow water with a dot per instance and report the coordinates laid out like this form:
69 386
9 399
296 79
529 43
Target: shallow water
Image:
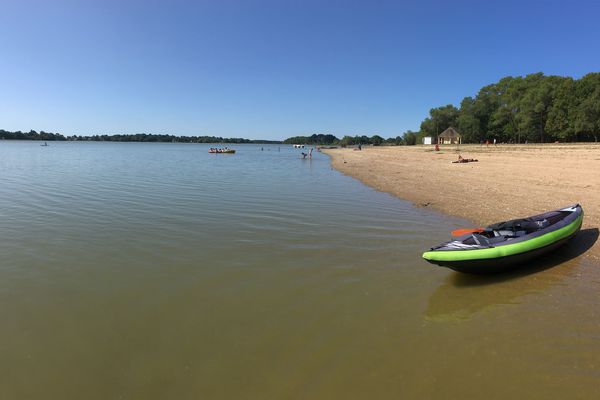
152 271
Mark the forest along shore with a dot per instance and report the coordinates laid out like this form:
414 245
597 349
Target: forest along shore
507 182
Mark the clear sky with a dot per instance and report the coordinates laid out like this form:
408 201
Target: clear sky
272 69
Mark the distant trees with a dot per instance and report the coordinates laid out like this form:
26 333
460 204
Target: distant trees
144 137
439 119
376 140
587 109
536 108
318 139
327 139
410 138
398 140
31 135
354 140
138 137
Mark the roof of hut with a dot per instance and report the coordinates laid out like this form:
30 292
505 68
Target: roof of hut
449 133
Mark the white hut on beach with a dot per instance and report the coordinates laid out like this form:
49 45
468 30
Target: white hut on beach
449 136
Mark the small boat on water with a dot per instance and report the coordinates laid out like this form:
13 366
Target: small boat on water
505 245
222 151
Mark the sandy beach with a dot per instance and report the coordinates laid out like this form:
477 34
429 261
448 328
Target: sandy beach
508 181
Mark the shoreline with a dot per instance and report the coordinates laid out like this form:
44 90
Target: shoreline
507 182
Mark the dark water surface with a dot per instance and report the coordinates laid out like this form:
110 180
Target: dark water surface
159 271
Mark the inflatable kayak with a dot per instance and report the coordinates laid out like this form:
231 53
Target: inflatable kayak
505 245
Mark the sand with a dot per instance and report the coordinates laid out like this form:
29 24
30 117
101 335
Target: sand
508 181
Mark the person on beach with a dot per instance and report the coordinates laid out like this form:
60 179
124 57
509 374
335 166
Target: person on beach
310 153
360 146
462 160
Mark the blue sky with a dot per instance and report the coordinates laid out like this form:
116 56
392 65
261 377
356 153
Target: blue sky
272 69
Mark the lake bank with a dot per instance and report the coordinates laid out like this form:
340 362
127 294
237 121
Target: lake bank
508 181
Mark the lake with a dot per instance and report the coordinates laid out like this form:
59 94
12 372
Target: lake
159 271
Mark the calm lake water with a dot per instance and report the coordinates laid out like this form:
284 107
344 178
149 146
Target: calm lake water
159 271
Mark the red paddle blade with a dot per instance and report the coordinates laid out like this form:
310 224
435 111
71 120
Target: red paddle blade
460 232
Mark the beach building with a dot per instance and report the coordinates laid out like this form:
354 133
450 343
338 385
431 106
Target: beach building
449 136
427 140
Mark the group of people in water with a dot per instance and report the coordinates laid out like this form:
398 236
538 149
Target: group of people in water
309 154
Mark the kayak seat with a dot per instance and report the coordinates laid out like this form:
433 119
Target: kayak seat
496 239
510 233
506 232
543 223
515 225
481 240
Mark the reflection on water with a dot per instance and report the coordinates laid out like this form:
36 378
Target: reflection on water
455 301
463 295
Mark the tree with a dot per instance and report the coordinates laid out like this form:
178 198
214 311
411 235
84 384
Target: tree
439 120
503 121
409 138
587 112
486 102
347 141
562 112
536 105
395 141
376 140
467 122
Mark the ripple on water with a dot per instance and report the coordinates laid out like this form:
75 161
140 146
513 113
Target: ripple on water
213 274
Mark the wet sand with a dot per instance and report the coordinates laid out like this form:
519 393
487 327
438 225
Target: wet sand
508 181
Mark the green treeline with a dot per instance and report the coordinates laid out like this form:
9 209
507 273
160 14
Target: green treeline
318 139
145 137
328 139
534 108
31 135
139 137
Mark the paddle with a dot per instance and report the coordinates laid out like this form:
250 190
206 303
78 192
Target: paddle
460 232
